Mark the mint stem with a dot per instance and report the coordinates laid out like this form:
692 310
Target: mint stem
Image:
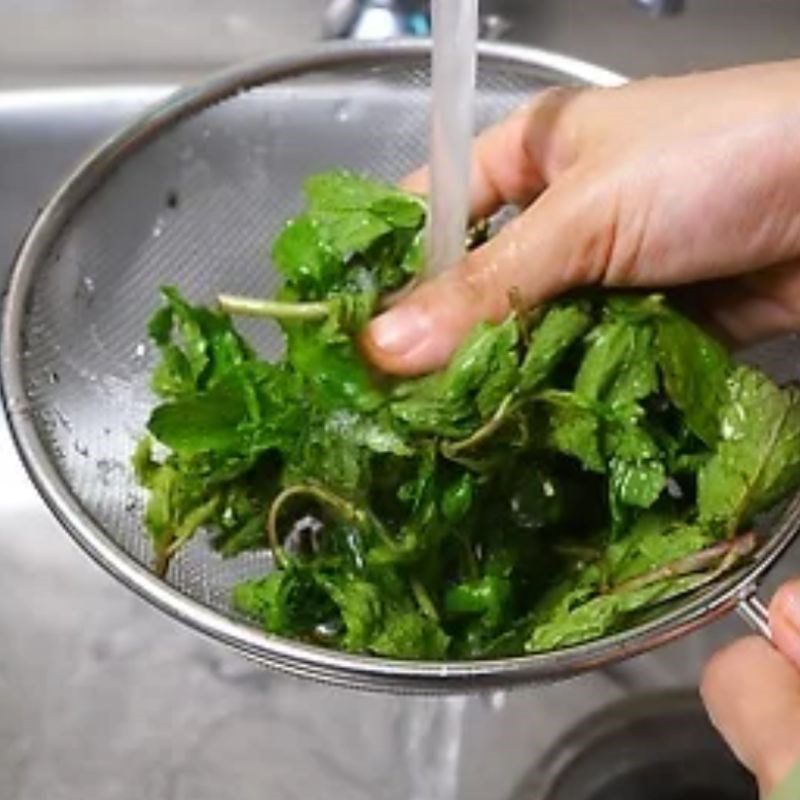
423 599
344 509
272 309
722 555
452 449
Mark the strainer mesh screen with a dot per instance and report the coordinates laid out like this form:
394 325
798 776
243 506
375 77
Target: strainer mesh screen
197 207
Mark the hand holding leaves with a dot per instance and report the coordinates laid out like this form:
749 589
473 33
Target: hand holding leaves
569 469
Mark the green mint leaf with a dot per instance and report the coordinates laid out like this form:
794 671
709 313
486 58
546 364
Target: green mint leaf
695 369
356 233
619 366
408 634
560 328
758 458
574 429
454 402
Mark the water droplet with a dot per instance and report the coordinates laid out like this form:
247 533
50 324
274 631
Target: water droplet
63 420
106 467
131 502
140 351
53 377
494 27
85 290
158 228
328 630
47 421
58 452
80 448
341 112
187 153
674 489
206 133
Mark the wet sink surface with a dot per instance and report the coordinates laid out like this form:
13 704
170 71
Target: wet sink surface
103 697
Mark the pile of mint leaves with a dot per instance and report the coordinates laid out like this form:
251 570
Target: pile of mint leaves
572 468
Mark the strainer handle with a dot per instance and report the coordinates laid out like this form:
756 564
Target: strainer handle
754 612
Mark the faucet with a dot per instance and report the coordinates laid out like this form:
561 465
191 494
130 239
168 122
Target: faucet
661 8
376 19
387 19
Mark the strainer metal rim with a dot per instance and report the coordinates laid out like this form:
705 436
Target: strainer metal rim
289 655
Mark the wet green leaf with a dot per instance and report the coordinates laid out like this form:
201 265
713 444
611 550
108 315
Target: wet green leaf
758 458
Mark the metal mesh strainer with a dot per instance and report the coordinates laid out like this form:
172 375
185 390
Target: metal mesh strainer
192 195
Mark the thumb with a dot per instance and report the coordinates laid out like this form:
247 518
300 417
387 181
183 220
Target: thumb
558 243
752 693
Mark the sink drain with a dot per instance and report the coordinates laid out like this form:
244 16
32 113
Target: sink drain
653 747
663 782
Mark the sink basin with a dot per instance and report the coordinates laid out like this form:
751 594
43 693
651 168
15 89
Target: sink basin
103 697
80 42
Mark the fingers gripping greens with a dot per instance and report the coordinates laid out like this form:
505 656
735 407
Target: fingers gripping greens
569 469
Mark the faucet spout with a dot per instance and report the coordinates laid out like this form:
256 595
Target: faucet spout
388 19
376 19
661 8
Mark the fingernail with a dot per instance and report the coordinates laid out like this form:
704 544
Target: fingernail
399 330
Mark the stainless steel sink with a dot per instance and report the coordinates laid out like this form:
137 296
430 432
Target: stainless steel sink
102 697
